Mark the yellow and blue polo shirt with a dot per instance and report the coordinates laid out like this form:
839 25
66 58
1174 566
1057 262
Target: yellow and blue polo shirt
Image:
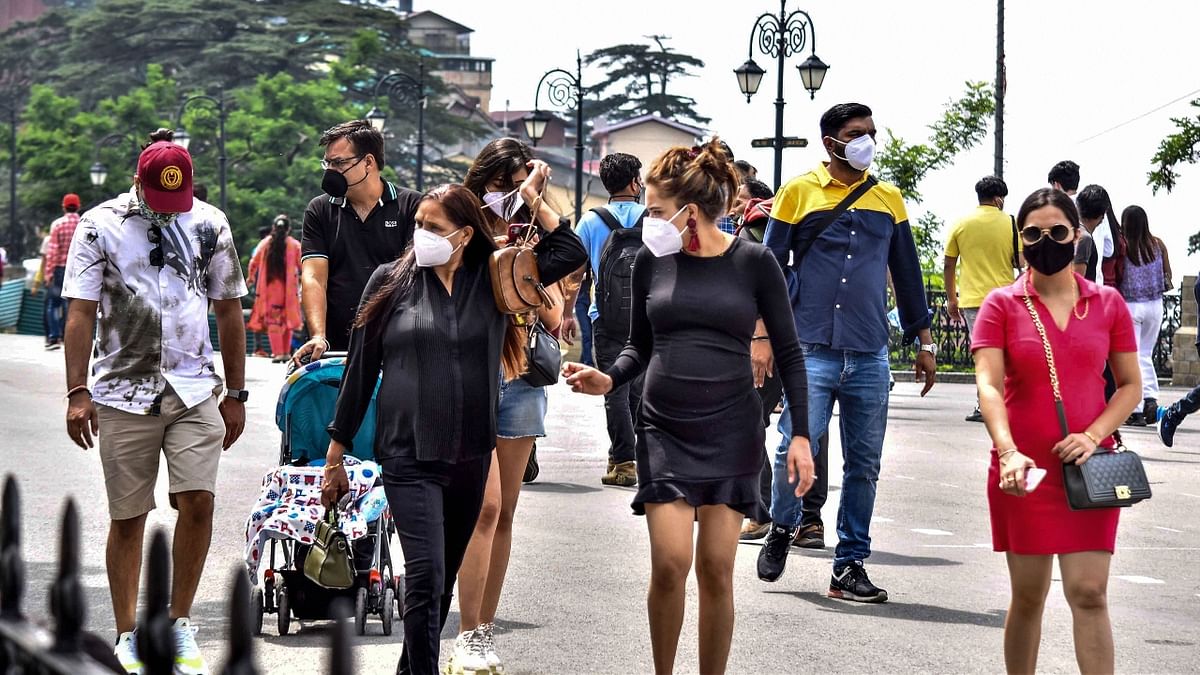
839 289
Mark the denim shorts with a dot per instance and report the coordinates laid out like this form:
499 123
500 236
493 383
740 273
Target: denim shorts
522 410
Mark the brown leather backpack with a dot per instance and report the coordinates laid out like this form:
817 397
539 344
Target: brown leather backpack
515 282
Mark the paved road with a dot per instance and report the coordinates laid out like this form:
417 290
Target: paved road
575 597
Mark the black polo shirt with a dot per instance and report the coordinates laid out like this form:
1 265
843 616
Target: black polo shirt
354 248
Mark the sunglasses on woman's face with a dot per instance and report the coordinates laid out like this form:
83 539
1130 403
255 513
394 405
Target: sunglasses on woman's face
1032 234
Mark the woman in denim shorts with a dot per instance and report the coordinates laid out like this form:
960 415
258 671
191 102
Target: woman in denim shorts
499 169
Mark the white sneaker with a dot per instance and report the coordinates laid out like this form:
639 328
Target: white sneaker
468 657
488 633
126 652
188 660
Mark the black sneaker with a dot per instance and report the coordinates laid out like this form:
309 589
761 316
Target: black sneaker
1135 420
531 468
1166 427
850 582
773 556
975 416
1150 411
810 536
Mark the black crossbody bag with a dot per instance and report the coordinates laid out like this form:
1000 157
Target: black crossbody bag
803 237
1108 478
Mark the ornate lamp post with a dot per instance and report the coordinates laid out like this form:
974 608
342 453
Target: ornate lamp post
405 89
780 37
565 91
99 172
182 138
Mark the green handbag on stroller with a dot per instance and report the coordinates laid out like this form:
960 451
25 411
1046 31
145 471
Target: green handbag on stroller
328 563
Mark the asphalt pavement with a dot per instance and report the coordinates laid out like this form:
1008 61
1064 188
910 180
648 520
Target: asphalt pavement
575 597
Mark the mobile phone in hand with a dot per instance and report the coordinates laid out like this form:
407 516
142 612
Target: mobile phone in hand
1033 478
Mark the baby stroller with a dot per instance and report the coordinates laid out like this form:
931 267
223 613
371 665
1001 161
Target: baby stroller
280 529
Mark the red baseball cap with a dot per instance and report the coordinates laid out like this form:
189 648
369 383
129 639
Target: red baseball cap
70 199
165 172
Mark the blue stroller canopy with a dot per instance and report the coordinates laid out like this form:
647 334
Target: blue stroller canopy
306 405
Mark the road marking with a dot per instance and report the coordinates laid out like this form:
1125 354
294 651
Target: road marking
953 545
1160 548
882 520
905 477
950 485
1167 529
1136 579
1188 494
932 533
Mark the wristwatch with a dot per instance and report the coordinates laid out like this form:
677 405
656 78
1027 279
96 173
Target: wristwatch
931 348
237 394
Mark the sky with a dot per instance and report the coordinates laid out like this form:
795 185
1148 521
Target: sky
1076 69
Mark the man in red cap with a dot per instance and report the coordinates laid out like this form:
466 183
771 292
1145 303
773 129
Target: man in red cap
54 264
151 261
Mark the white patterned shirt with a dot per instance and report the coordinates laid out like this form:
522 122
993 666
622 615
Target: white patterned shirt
153 329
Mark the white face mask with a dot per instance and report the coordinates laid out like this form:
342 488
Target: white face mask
859 152
661 236
432 249
502 205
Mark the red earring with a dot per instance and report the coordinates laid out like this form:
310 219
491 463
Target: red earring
694 243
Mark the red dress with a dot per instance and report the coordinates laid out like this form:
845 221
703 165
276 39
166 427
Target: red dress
1041 523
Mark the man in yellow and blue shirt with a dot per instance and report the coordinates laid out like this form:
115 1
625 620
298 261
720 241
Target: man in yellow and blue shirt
838 290
984 241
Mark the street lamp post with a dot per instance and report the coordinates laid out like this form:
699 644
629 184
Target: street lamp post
403 88
780 37
183 139
563 90
15 234
99 172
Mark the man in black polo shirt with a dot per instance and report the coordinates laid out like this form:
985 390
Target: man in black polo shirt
360 223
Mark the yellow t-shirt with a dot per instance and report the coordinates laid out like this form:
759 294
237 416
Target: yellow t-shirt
983 244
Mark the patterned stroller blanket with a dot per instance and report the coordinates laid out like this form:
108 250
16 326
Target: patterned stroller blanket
289 506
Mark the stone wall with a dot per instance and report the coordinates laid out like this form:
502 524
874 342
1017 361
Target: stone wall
1184 361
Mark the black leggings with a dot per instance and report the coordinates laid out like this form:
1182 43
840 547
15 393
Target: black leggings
435 506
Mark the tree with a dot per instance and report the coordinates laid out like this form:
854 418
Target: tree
963 125
636 82
1181 147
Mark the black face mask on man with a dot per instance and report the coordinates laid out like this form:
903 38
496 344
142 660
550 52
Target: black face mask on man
1048 256
334 183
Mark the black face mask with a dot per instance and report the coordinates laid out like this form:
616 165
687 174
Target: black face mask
334 184
1048 256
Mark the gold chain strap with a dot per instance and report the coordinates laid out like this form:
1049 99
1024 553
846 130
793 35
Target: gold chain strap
1041 329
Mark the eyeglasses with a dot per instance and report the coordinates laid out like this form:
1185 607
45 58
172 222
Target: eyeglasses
1032 234
154 235
337 164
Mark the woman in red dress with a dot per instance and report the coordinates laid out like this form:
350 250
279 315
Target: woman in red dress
1086 325
275 274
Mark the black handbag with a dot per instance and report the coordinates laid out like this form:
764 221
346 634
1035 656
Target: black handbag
1107 479
543 357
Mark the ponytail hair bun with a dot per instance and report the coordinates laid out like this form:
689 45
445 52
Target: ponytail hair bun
703 175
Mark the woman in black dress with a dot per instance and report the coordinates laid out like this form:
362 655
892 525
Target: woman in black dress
429 322
699 298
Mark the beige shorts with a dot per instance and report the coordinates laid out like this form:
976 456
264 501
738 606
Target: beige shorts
130 445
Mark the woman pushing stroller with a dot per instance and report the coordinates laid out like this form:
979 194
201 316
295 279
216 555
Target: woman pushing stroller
423 321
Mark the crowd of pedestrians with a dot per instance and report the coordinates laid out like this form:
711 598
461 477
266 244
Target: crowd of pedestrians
693 273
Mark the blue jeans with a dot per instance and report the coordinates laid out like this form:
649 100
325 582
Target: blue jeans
582 304
56 307
858 381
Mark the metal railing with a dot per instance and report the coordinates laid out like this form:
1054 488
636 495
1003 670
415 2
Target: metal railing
28 648
954 345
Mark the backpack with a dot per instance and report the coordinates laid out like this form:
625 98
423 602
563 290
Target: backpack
614 282
1113 267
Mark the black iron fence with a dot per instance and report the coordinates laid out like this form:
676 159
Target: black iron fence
28 648
954 345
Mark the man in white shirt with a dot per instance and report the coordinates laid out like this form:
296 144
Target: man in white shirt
150 261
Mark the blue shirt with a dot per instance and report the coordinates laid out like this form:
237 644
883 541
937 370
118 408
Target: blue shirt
594 234
839 289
